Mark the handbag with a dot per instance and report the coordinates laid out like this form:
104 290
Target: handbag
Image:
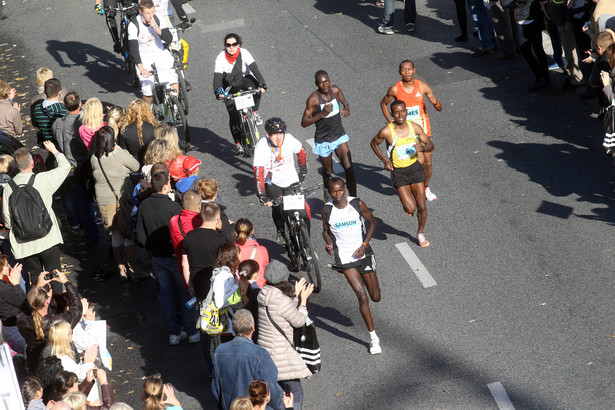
123 210
305 343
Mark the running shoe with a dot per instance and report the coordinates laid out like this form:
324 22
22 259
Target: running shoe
410 27
239 150
374 347
195 338
380 3
175 339
430 195
384 29
423 242
257 118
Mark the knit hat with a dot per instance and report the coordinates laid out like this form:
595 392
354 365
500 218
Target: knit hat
190 164
276 272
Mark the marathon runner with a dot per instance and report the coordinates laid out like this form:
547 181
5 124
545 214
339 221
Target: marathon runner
324 108
407 143
411 91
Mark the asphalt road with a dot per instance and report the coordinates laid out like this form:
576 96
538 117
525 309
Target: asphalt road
512 300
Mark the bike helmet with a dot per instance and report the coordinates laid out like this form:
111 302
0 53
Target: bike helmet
275 125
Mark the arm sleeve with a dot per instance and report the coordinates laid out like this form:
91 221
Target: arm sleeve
75 311
141 228
254 69
217 81
133 41
6 214
108 397
129 161
14 295
293 315
85 386
259 178
53 179
17 124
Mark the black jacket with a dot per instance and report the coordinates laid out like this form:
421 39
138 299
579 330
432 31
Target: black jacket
155 213
12 303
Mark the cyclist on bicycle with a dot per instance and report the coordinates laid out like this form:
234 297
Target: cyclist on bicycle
274 169
165 12
146 33
235 69
102 7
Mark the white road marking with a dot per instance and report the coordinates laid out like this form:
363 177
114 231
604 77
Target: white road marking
188 9
337 167
501 398
416 265
224 26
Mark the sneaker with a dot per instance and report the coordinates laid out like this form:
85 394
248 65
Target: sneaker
195 338
239 150
257 118
98 220
410 27
383 29
423 242
175 339
430 195
380 3
374 347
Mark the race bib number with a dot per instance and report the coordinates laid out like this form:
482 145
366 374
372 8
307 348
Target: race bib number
293 202
413 112
244 101
405 151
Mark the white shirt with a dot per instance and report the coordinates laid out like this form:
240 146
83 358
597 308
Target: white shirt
223 66
150 44
163 8
283 172
348 227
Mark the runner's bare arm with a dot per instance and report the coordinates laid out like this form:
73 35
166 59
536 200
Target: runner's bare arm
310 106
342 100
375 144
369 217
388 98
432 98
426 143
325 235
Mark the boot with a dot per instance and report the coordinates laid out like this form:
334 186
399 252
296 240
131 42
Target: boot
120 259
133 261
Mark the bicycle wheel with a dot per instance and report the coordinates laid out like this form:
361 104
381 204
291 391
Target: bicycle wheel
312 263
292 249
178 120
248 147
252 136
183 91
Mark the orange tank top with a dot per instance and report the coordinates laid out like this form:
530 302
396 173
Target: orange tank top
415 105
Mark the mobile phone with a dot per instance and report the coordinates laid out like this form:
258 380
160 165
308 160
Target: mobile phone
51 275
287 389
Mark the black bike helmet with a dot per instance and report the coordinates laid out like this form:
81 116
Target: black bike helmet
275 125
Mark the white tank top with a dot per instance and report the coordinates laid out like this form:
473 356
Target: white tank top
348 228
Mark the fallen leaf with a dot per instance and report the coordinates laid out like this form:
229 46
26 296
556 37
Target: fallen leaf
476 152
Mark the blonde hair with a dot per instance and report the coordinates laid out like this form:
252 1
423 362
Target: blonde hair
92 114
75 399
208 188
37 297
7 164
115 116
158 129
152 392
43 74
138 113
169 134
241 403
59 339
156 151
5 90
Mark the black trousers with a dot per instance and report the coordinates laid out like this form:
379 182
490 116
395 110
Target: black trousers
48 260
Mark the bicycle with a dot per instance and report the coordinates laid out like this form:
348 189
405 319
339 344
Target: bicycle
168 107
298 243
244 101
124 13
180 56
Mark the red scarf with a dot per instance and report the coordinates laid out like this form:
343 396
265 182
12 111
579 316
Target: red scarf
231 57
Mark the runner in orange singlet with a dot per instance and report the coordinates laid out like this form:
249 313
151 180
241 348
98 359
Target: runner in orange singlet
411 91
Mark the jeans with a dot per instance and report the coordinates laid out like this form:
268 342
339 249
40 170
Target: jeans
172 291
78 209
389 12
481 16
296 389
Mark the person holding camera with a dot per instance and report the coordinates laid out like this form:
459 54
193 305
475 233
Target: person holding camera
35 327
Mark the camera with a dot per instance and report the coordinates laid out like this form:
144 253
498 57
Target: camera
51 275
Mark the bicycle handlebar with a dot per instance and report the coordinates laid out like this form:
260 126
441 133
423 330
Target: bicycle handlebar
123 8
297 189
239 94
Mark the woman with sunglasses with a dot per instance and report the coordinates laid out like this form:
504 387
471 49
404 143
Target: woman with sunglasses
236 69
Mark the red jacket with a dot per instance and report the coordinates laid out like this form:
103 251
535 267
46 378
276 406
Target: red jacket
261 256
190 220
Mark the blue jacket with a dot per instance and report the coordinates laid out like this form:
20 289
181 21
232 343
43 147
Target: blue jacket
236 364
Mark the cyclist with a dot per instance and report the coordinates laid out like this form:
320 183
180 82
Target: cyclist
146 33
347 238
235 69
102 7
274 169
165 12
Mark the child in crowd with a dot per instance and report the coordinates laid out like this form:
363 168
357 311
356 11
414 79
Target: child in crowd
32 393
114 118
191 172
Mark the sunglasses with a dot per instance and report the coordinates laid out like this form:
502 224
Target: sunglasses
231 44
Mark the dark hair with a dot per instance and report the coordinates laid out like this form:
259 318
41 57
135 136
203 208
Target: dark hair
52 87
29 387
159 180
243 229
72 101
235 36
320 73
407 60
104 141
258 391
63 382
47 370
209 212
250 267
610 55
59 302
228 255
396 102
336 180
159 167
285 287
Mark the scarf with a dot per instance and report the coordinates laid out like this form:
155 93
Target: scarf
231 57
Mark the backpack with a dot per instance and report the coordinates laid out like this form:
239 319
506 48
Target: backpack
29 217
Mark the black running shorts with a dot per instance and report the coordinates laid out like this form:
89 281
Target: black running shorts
413 174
